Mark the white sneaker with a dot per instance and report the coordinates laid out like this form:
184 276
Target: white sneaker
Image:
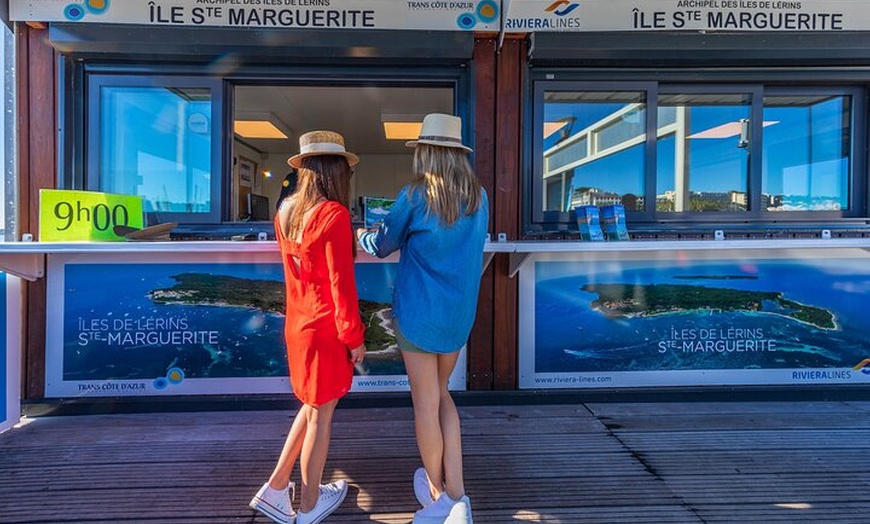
445 511
331 496
275 504
461 512
421 488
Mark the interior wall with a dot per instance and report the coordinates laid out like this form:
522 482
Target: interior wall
276 164
381 176
375 175
241 152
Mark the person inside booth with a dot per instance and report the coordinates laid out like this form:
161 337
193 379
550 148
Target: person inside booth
288 186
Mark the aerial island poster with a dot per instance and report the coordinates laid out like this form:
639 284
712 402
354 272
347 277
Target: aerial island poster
773 317
193 326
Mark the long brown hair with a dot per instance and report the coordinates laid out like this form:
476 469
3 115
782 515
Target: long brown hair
321 177
449 183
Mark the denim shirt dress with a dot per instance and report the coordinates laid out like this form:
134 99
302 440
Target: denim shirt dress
438 279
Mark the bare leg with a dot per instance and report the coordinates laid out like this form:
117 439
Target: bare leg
436 421
292 447
450 429
315 448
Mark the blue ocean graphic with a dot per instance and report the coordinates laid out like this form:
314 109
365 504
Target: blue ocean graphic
571 335
114 330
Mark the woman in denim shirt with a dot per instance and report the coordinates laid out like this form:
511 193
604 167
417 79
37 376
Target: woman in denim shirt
439 222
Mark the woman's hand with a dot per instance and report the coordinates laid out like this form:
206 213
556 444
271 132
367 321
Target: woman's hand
360 231
357 354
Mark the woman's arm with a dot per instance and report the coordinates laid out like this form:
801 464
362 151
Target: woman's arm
393 231
338 241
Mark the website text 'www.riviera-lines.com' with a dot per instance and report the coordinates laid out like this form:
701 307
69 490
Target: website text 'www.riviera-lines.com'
556 381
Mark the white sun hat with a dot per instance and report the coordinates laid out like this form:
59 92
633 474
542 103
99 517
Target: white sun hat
441 130
315 143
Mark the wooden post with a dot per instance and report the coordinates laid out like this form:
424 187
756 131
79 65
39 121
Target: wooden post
37 165
508 139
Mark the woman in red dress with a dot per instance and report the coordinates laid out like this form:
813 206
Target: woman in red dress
323 329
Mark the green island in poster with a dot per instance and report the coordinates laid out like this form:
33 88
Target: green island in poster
209 320
202 289
616 300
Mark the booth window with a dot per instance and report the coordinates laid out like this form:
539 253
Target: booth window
376 119
594 145
702 162
693 153
807 153
157 138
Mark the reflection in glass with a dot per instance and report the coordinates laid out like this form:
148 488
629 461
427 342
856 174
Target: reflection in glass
702 152
807 155
594 149
156 142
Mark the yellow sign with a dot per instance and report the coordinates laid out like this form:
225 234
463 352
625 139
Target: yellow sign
86 215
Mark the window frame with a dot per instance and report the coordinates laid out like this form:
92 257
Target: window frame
856 194
457 80
93 124
756 93
78 156
536 185
535 220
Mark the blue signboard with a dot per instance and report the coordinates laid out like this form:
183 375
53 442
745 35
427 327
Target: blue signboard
683 319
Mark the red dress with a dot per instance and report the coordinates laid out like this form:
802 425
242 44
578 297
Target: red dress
322 319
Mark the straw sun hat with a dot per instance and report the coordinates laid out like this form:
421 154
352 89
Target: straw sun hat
316 143
441 130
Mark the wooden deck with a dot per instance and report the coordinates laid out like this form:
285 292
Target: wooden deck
578 463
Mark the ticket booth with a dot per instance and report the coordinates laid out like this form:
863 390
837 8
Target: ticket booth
732 134
196 110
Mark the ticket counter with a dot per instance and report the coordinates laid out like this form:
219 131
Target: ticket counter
188 318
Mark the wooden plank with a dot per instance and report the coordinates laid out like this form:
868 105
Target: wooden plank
616 409
22 65
844 512
384 429
480 344
171 427
515 414
238 450
508 137
739 461
780 488
36 83
730 421
782 439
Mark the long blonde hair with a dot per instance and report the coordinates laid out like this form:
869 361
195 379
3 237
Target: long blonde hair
321 177
449 182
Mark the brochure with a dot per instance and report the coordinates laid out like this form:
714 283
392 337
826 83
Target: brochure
588 223
613 222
